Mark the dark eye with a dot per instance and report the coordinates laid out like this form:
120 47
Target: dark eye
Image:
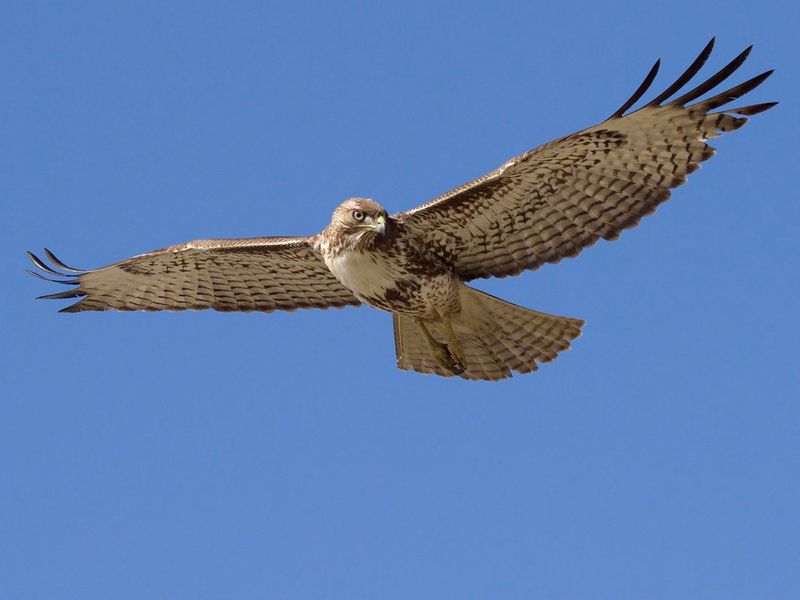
358 215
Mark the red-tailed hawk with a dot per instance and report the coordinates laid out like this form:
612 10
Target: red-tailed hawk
539 207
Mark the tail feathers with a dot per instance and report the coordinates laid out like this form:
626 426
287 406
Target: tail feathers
496 338
480 354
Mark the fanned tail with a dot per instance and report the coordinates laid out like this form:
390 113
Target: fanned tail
496 338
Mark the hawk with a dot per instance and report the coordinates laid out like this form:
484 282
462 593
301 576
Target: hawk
539 207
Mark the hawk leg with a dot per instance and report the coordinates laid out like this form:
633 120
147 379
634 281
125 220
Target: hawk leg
441 352
453 345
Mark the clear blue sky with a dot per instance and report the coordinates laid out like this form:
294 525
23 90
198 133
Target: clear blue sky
208 455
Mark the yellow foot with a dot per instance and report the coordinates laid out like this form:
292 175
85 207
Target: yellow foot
453 347
458 366
446 359
444 354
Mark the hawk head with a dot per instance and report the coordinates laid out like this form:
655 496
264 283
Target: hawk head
358 224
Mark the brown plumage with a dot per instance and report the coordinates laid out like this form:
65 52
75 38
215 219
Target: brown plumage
539 207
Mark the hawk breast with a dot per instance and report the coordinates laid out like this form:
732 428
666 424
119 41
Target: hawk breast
391 282
365 273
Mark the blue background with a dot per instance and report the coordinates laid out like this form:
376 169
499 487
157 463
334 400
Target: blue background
208 455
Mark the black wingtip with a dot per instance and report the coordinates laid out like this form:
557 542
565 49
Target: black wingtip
71 279
40 264
72 308
50 280
714 80
54 259
648 80
62 295
759 108
733 93
753 109
687 75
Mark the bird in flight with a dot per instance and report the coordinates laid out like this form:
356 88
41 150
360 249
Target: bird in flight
539 207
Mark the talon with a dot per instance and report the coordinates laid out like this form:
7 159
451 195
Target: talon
457 363
454 348
443 357
458 367
453 362
448 357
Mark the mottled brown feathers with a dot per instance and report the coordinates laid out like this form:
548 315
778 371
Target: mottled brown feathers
539 207
263 274
554 201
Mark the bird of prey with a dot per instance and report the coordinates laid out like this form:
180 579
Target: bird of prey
539 207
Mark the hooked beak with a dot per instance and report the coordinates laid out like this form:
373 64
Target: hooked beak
379 224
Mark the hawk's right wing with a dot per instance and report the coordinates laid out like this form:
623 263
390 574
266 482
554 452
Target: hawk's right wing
263 274
554 201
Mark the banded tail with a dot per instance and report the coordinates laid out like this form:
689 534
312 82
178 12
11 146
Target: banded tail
496 338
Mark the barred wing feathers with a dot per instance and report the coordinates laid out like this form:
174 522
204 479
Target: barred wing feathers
262 274
554 201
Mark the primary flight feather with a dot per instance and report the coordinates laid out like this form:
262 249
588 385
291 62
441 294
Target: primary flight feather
539 207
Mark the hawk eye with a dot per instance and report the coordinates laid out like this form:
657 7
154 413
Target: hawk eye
358 215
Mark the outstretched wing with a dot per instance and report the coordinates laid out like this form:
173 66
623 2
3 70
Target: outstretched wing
556 200
262 274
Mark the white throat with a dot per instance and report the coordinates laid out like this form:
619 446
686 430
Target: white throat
364 273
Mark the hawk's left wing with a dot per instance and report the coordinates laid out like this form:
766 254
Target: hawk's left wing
263 274
556 200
